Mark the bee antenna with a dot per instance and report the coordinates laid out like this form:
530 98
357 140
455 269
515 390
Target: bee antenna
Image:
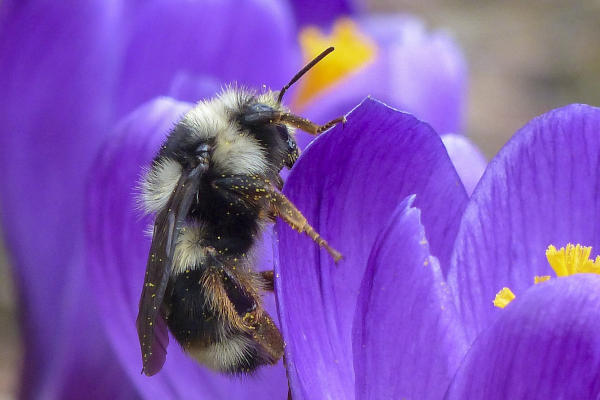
304 70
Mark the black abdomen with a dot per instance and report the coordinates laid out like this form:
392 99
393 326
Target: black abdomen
199 322
190 319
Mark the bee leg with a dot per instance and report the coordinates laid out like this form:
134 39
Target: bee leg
285 209
263 114
268 278
253 189
307 125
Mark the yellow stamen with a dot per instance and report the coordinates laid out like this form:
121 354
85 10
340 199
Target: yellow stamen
572 260
353 51
504 297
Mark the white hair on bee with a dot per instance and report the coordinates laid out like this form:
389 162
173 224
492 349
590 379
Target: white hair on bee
190 252
238 154
235 150
158 183
222 356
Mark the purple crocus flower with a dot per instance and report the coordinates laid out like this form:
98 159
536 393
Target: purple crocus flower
116 239
409 312
69 73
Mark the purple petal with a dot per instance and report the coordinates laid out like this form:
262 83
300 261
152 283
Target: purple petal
188 87
427 71
541 189
54 109
251 42
315 12
544 345
347 184
467 159
118 253
408 341
415 71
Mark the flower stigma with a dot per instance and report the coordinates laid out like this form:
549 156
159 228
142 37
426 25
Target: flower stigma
353 51
569 260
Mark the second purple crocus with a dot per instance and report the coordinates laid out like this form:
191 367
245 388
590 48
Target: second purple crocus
409 313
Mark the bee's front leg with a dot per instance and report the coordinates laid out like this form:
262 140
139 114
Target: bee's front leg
307 125
263 114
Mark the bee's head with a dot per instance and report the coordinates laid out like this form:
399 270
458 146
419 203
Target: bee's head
277 139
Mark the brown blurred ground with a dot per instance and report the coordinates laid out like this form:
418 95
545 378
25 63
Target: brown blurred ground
525 58
10 350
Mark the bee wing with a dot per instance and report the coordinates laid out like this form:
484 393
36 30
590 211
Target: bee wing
151 327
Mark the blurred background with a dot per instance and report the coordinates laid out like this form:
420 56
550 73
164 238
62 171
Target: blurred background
524 58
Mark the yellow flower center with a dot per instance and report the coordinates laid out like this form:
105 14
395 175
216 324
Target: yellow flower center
353 51
574 259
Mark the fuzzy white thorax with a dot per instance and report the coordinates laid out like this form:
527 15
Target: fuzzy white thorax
235 150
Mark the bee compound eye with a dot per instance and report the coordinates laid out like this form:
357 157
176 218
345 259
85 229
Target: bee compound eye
283 132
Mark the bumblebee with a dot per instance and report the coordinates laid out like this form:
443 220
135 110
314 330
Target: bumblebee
214 186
